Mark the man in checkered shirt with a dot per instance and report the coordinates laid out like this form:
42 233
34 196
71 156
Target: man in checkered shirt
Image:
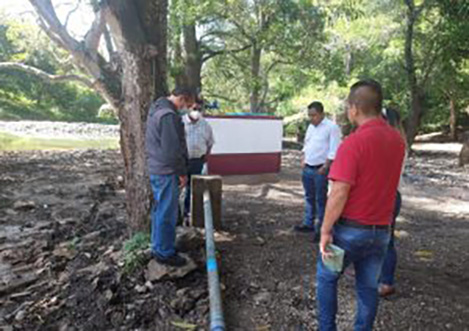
199 139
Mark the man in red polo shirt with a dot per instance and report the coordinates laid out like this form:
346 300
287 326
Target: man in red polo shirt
365 177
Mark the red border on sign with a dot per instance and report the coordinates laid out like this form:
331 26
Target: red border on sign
244 164
243 117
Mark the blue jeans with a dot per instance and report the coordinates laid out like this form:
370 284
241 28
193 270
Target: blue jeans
390 261
365 248
164 214
195 168
315 186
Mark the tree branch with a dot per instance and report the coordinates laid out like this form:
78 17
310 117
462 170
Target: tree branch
109 44
93 36
56 31
71 13
211 54
46 76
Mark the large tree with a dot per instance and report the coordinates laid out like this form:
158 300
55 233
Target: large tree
129 72
262 36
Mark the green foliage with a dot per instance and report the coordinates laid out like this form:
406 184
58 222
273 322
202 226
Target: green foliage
23 96
133 252
347 40
310 50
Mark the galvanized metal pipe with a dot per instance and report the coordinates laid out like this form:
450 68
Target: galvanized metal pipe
217 322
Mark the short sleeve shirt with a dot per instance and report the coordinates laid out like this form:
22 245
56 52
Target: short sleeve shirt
370 160
199 137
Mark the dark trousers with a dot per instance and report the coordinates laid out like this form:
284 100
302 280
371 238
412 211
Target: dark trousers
390 261
195 168
315 186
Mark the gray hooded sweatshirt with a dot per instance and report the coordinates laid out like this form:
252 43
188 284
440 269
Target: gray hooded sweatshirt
165 140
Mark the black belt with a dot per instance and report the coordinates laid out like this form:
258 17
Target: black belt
354 224
315 167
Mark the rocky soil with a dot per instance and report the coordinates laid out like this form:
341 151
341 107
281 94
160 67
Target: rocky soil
62 256
60 129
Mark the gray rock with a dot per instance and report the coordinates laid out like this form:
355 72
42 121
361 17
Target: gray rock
149 285
156 271
183 304
24 205
282 287
262 298
20 315
189 239
108 295
141 288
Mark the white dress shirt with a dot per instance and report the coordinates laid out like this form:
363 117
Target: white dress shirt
199 137
321 142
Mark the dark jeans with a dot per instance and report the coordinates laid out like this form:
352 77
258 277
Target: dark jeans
365 248
164 214
315 186
390 261
195 168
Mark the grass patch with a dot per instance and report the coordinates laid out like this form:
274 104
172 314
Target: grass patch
11 142
134 249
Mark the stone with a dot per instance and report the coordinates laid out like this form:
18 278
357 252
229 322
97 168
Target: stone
197 294
95 269
183 303
108 295
24 205
182 292
260 241
141 288
156 271
11 212
20 315
189 239
282 287
64 251
149 285
262 298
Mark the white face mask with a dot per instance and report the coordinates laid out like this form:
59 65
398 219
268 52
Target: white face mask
195 115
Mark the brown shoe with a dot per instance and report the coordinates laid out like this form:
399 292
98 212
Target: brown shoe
386 290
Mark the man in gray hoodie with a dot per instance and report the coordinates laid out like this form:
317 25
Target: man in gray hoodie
167 162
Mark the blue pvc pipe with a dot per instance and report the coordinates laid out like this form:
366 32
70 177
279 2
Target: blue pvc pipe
217 322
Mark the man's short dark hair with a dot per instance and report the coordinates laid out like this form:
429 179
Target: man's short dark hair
317 106
185 92
367 96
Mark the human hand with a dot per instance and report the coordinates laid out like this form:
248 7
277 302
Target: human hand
303 162
322 170
326 239
182 181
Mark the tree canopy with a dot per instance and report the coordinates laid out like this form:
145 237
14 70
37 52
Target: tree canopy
272 56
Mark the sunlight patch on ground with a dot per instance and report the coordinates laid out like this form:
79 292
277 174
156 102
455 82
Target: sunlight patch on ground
438 147
447 205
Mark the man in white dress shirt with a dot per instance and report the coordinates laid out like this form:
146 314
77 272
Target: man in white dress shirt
320 146
200 140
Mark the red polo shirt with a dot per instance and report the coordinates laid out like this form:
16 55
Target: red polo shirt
370 160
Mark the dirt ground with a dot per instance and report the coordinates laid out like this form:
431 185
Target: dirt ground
63 228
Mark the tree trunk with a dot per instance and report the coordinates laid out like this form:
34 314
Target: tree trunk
452 119
416 95
256 54
193 58
415 117
137 94
139 30
154 20
143 59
